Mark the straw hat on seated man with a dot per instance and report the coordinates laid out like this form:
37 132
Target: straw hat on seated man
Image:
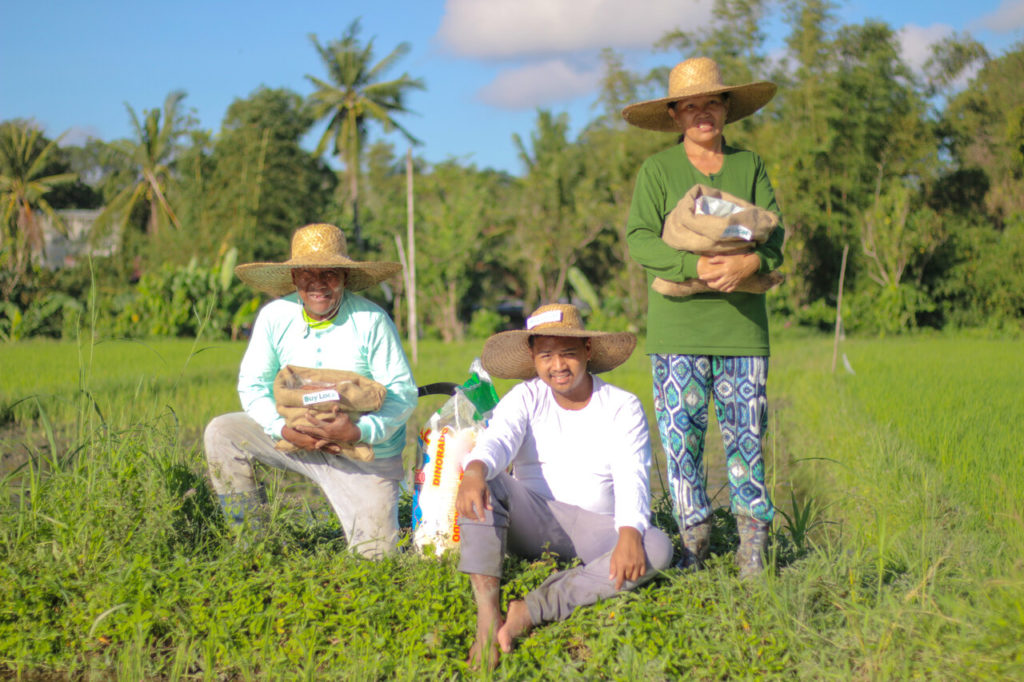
579 487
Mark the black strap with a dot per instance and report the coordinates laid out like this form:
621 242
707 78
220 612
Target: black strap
438 388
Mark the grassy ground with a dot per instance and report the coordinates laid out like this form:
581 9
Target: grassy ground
899 553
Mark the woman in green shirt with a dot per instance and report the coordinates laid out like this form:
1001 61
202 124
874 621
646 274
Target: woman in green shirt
713 344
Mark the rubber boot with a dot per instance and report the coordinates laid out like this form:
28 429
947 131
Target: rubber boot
241 507
696 545
753 537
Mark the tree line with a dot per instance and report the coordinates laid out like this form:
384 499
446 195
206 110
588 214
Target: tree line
919 175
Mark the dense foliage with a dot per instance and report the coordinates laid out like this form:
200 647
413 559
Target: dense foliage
919 173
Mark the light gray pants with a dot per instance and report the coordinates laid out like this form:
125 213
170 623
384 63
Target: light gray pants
364 495
525 524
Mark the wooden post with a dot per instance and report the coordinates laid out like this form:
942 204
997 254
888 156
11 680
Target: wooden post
411 264
839 308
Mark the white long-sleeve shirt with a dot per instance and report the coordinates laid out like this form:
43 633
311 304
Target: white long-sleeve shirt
597 458
361 338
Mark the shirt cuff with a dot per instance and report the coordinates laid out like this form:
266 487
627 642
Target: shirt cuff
633 522
487 465
690 265
364 432
274 430
762 267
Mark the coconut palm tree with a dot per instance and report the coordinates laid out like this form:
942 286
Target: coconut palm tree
151 154
352 96
25 158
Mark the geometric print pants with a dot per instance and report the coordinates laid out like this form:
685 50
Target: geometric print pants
682 386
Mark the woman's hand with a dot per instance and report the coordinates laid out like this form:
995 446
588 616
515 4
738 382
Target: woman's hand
724 273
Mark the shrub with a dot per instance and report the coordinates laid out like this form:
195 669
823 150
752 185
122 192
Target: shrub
484 323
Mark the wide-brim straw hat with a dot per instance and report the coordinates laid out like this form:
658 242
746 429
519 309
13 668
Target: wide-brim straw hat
315 246
695 77
507 354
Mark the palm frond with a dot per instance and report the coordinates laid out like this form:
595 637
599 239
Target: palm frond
385 64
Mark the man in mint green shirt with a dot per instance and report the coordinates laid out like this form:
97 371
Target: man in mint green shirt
318 322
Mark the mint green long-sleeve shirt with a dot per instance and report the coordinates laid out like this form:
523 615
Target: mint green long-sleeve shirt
703 324
361 338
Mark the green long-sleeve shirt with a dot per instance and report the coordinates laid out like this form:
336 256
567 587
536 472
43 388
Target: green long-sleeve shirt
703 324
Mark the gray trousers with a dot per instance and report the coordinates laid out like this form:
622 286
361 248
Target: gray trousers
364 495
525 524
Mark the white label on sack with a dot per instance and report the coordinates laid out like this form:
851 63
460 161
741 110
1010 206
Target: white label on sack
320 397
714 206
737 232
543 318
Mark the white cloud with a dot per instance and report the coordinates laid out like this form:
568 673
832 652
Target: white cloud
1009 17
501 29
538 84
77 136
916 42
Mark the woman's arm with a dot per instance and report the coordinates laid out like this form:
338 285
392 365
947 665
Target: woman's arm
770 252
644 227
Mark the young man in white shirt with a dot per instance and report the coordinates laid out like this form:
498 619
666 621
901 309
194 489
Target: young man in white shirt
580 455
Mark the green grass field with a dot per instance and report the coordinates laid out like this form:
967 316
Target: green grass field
899 553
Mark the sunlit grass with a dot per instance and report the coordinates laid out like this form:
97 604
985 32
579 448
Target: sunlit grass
900 557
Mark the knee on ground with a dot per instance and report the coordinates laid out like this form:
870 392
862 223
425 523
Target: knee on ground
658 547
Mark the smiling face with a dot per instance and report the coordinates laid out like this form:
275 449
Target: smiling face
702 118
320 290
561 363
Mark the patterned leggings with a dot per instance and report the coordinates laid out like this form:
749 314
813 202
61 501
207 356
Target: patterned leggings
682 384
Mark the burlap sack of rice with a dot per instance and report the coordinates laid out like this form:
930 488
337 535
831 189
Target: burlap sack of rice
743 226
300 389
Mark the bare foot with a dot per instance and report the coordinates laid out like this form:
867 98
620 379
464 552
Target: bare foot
517 623
484 652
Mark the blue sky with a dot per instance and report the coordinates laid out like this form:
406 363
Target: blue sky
488 64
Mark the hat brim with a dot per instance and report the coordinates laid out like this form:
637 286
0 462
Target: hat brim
743 101
507 354
276 278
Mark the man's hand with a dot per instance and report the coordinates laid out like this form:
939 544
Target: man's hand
307 442
628 560
473 497
331 428
724 273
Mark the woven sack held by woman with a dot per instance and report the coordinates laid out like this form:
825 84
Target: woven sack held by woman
300 389
708 222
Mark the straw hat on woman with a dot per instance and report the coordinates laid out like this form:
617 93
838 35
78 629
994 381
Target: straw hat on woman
698 77
712 344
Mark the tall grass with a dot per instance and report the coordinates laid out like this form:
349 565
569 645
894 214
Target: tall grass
900 557
124 379
963 419
924 498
